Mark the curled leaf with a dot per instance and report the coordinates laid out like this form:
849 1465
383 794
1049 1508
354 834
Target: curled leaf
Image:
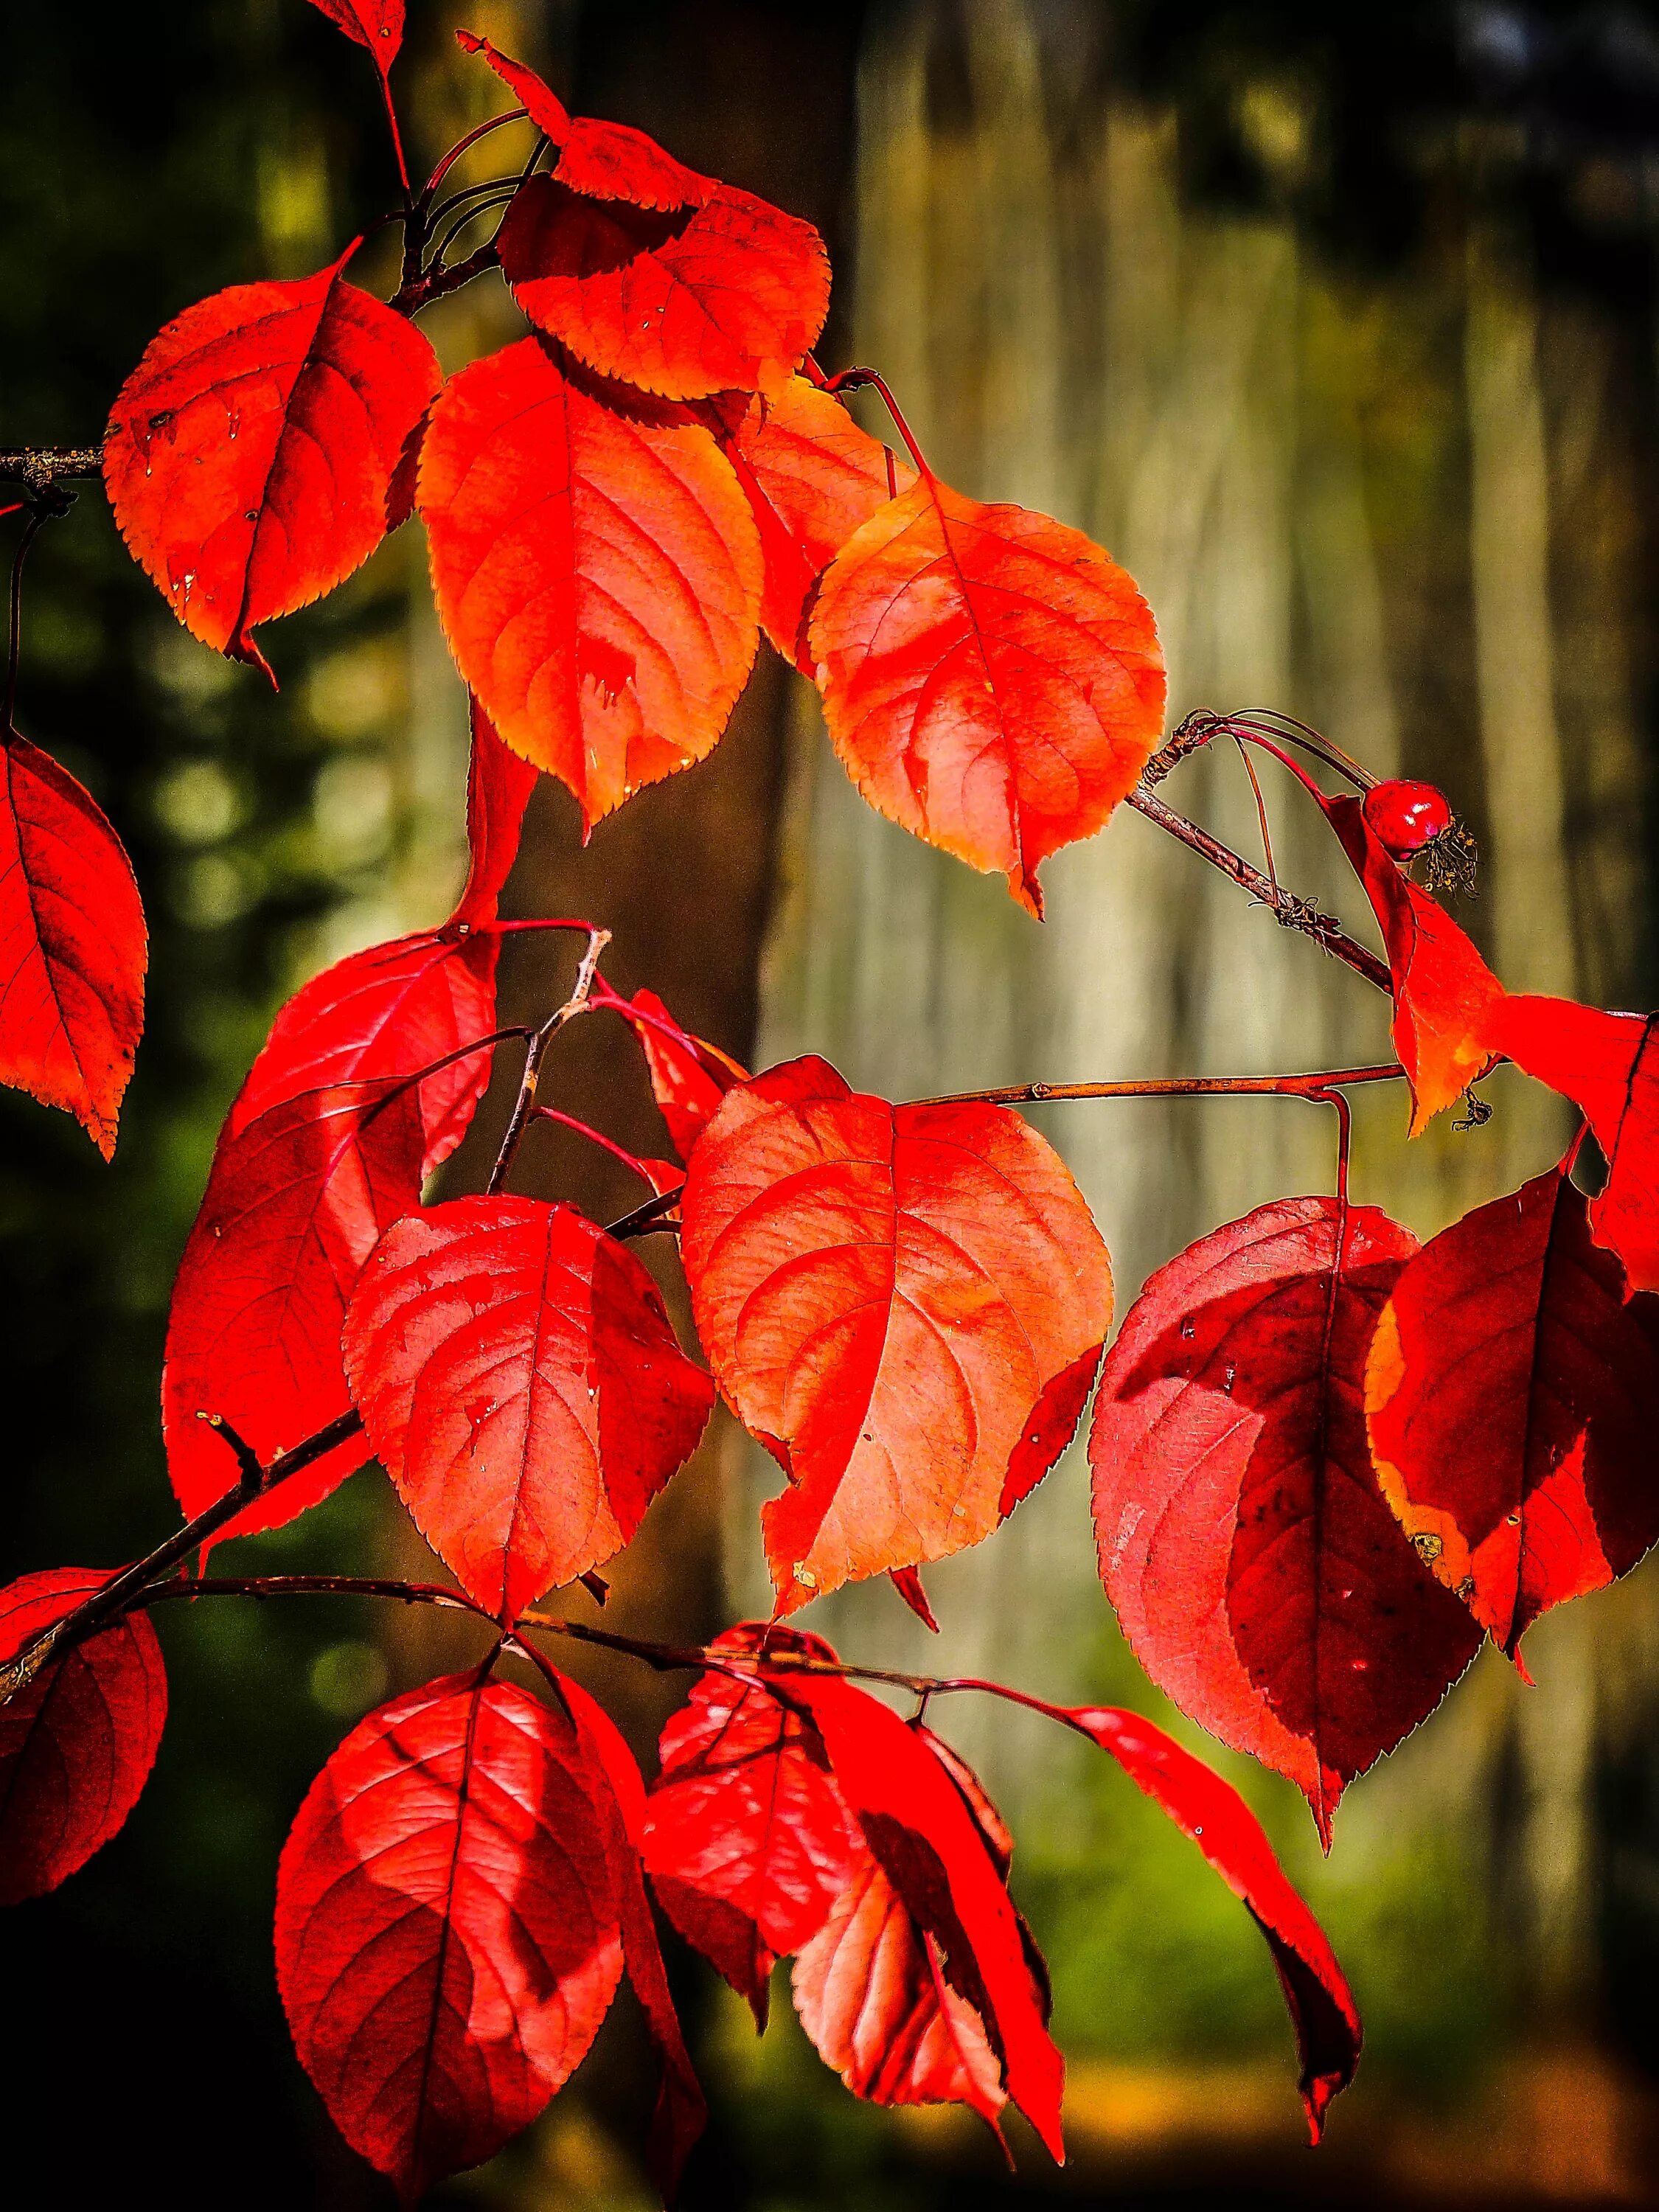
1511 1393
727 296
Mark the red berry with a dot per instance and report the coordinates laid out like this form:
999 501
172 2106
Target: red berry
1405 817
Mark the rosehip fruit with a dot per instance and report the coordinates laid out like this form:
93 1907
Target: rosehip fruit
1405 817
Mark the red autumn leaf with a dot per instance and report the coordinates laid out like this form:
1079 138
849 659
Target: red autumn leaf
928 1843
72 945
748 1844
376 24
1255 1568
993 681
872 1996
295 1203
78 1742
386 1011
250 456
813 477
1511 1393
1446 999
723 296
908 1582
597 572
885 1295
447 1936
689 1078
604 161
498 789
1608 1066
519 1380
1212 1811
681 2113
872 1992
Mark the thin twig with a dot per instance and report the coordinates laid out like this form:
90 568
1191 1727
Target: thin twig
1292 913
41 467
115 1596
1318 1085
577 1003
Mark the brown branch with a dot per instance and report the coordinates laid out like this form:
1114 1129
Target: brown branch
40 468
1290 911
577 1003
1176 1087
117 1594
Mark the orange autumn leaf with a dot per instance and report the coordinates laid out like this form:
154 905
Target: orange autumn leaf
596 570
992 680
812 476
728 295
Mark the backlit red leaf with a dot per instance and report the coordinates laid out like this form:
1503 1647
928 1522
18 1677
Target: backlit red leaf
748 1844
1512 1392
1255 1567
519 1380
605 160
295 1203
689 1078
680 2113
886 1294
992 680
386 1011
448 1930
77 1743
1608 1066
376 24
929 1846
1446 1000
251 455
498 789
1212 1811
72 945
873 1994
813 477
727 295
597 572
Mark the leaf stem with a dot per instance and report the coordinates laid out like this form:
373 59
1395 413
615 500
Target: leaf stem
463 145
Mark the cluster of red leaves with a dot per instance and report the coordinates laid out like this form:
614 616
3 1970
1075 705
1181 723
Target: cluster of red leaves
1326 1462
